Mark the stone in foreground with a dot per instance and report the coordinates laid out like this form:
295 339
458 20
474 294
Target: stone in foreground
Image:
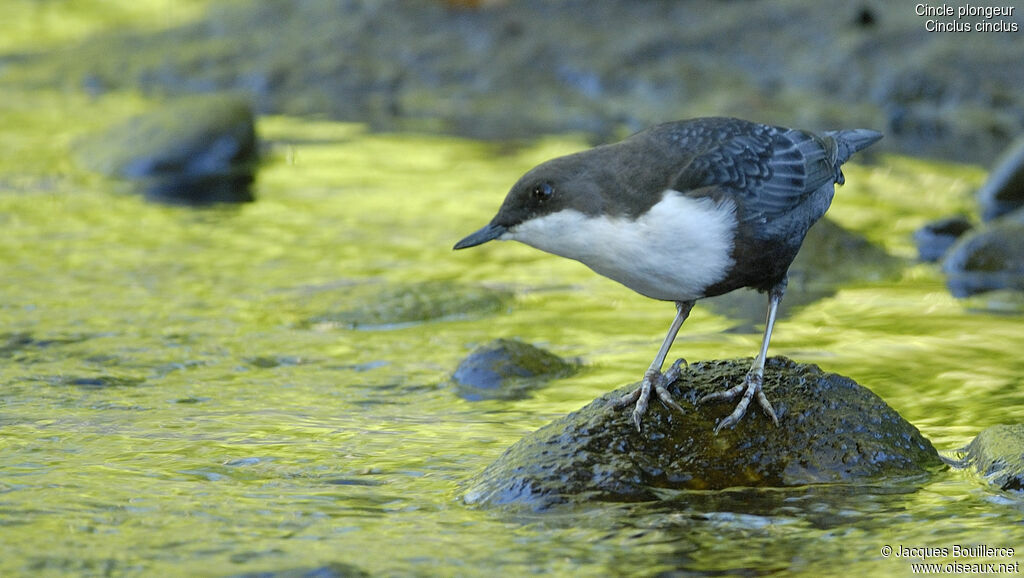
831 430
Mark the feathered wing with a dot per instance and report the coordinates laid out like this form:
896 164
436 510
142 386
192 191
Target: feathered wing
773 169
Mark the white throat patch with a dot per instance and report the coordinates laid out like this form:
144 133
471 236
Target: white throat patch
674 251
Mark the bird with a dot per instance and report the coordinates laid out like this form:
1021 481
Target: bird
682 211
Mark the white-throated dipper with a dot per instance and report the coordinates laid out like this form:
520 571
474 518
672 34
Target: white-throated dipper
681 211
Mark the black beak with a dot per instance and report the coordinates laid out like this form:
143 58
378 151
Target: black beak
488 233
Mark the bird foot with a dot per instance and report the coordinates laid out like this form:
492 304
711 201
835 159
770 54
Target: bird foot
750 388
656 381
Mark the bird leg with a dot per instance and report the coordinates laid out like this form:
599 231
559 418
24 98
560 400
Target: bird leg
751 386
653 378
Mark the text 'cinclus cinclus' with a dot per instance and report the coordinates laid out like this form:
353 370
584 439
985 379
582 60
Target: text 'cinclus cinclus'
681 211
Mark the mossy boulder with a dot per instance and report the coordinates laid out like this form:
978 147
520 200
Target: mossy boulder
507 369
831 430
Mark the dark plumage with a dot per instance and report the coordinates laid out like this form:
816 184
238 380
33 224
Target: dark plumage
682 211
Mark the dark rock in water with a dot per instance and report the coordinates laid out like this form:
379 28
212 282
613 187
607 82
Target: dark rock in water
507 369
830 256
197 150
997 454
377 306
987 260
936 237
831 430
1003 192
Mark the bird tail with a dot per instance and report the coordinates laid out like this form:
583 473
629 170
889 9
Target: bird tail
843 143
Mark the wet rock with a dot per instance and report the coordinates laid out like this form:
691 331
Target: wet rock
196 150
507 369
987 260
831 430
377 306
831 256
997 454
935 238
1003 192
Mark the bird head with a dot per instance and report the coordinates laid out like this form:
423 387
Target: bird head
549 188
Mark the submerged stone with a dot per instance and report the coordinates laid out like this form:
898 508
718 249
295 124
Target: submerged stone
1003 192
196 150
935 238
507 369
997 454
377 306
987 260
831 430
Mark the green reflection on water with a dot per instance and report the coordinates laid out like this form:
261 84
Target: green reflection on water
167 408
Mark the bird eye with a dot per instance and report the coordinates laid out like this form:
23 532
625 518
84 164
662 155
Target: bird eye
543 191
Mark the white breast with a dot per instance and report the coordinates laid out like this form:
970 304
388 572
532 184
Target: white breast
673 252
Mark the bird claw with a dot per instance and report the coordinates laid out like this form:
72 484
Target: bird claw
751 388
658 382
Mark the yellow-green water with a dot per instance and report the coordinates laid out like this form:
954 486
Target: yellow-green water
166 407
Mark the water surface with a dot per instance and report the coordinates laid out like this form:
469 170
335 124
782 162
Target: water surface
169 404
